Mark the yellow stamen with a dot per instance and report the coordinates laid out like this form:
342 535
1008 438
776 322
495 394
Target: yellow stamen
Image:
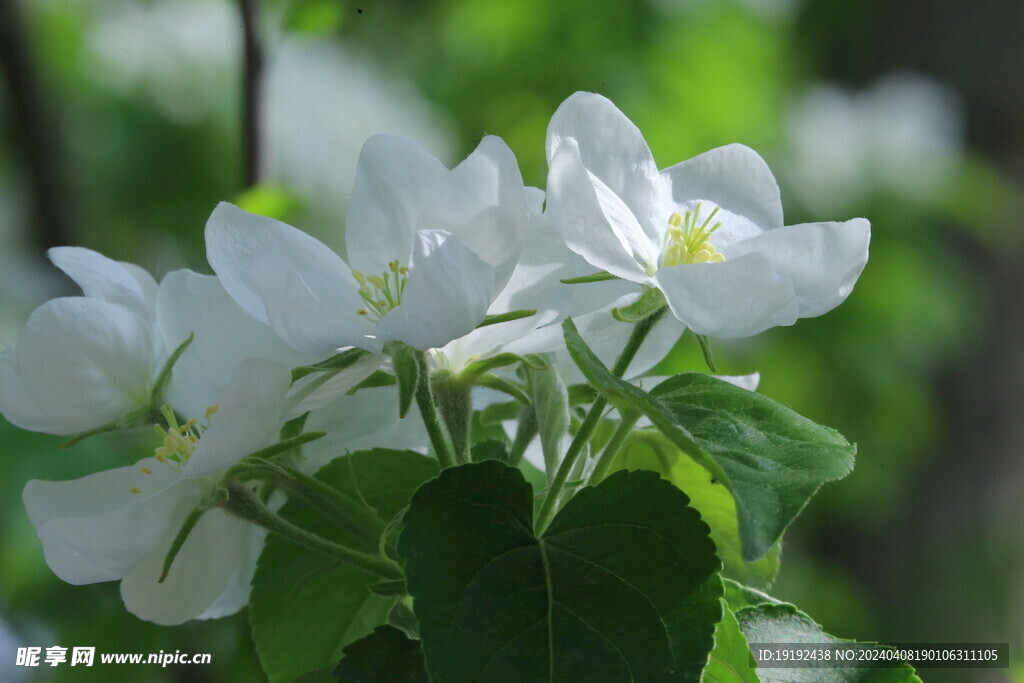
145 470
135 489
211 411
685 242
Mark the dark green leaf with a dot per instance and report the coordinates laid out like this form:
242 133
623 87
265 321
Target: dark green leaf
489 450
384 656
771 458
650 450
622 585
730 660
305 607
379 378
784 623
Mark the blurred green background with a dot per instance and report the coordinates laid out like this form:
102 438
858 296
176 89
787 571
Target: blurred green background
121 127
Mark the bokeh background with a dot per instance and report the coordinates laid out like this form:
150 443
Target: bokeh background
121 126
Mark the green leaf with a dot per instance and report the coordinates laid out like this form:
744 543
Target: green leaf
650 450
771 458
491 449
305 607
738 596
406 361
384 656
784 623
622 585
649 302
550 400
335 363
730 660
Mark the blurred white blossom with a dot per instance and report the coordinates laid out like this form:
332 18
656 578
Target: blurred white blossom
903 135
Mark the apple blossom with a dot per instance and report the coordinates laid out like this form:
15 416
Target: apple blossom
707 232
121 524
83 362
429 248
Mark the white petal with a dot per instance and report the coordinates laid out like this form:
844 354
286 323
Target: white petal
606 336
594 222
238 586
487 341
614 150
737 298
17 404
368 419
394 179
283 277
735 178
446 297
205 566
106 279
485 206
249 417
822 260
307 320
85 362
95 529
190 303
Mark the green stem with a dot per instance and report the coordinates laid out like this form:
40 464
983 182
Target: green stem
524 435
333 504
428 411
245 504
551 500
607 457
454 398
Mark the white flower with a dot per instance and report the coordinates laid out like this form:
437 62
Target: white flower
120 524
707 232
83 362
224 335
429 248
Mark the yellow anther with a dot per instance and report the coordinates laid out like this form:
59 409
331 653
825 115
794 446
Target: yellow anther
376 281
363 311
211 411
145 470
360 278
160 455
170 445
135 489
686 242
403 270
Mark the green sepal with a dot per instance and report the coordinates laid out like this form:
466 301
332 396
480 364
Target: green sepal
503 385
335 363
705 349
650 301
406 362
506 317
584 279
379 378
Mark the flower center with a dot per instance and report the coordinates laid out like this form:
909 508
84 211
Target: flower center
685 242
179 440
382 292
